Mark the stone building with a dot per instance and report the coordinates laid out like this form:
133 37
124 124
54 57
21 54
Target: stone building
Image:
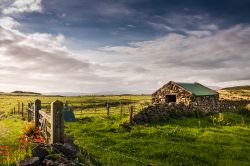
186 93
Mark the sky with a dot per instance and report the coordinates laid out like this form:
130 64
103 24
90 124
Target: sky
91 46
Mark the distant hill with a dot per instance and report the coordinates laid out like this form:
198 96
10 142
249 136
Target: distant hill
245 87
235 93
25 93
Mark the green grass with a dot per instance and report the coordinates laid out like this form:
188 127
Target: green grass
10 129
186 141
8 102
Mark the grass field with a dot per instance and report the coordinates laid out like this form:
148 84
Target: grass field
186 141
10 129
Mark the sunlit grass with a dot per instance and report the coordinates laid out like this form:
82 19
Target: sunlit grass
185 141
10 129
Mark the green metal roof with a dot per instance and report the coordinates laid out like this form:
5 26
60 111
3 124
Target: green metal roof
197 89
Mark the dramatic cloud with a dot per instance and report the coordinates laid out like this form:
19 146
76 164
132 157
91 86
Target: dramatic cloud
20 6
8 22
207 55
49 51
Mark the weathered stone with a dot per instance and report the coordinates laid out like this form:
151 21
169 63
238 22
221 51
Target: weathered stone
40 151
49 162
173 92
156 112
33 161
65 150
72 147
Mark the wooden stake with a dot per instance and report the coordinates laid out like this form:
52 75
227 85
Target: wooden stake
37 107
57 124
120 109
22 111
18 108
131 115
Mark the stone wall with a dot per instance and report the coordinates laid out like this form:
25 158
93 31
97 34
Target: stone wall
206 101
163 112
182 95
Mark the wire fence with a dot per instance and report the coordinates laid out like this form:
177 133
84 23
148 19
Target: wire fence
88 108
107 109
84 109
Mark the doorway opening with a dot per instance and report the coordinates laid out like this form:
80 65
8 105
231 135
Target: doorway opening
170 98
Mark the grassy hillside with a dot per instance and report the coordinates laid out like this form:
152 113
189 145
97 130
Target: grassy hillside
235 93
246 87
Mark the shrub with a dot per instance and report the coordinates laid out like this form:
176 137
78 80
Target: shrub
31 134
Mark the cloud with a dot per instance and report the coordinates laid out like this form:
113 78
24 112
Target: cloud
190 49
207 56
21 6
8 22
42 60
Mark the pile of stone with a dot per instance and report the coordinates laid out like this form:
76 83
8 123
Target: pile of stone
164 112
52 155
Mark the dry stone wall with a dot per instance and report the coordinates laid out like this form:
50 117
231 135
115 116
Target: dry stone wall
163 112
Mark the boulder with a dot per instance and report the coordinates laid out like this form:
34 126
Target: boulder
33 161
67 149
40 151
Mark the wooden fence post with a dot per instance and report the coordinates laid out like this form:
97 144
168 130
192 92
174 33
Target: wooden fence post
131 114
29 112
108 107
37 107
57 124
14 110
22 110
120 108
18 108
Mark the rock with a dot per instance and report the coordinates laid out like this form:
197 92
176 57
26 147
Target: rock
33 161
49 162
40 151
72 147
68 151
53 157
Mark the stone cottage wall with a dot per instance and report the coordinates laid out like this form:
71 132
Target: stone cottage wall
206 100
182 95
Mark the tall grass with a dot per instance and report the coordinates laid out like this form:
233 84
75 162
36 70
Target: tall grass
10 129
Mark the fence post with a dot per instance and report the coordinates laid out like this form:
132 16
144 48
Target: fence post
131 115
57 124
29 112
108 107
18 108
37 107
120 108
22 110
14 110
